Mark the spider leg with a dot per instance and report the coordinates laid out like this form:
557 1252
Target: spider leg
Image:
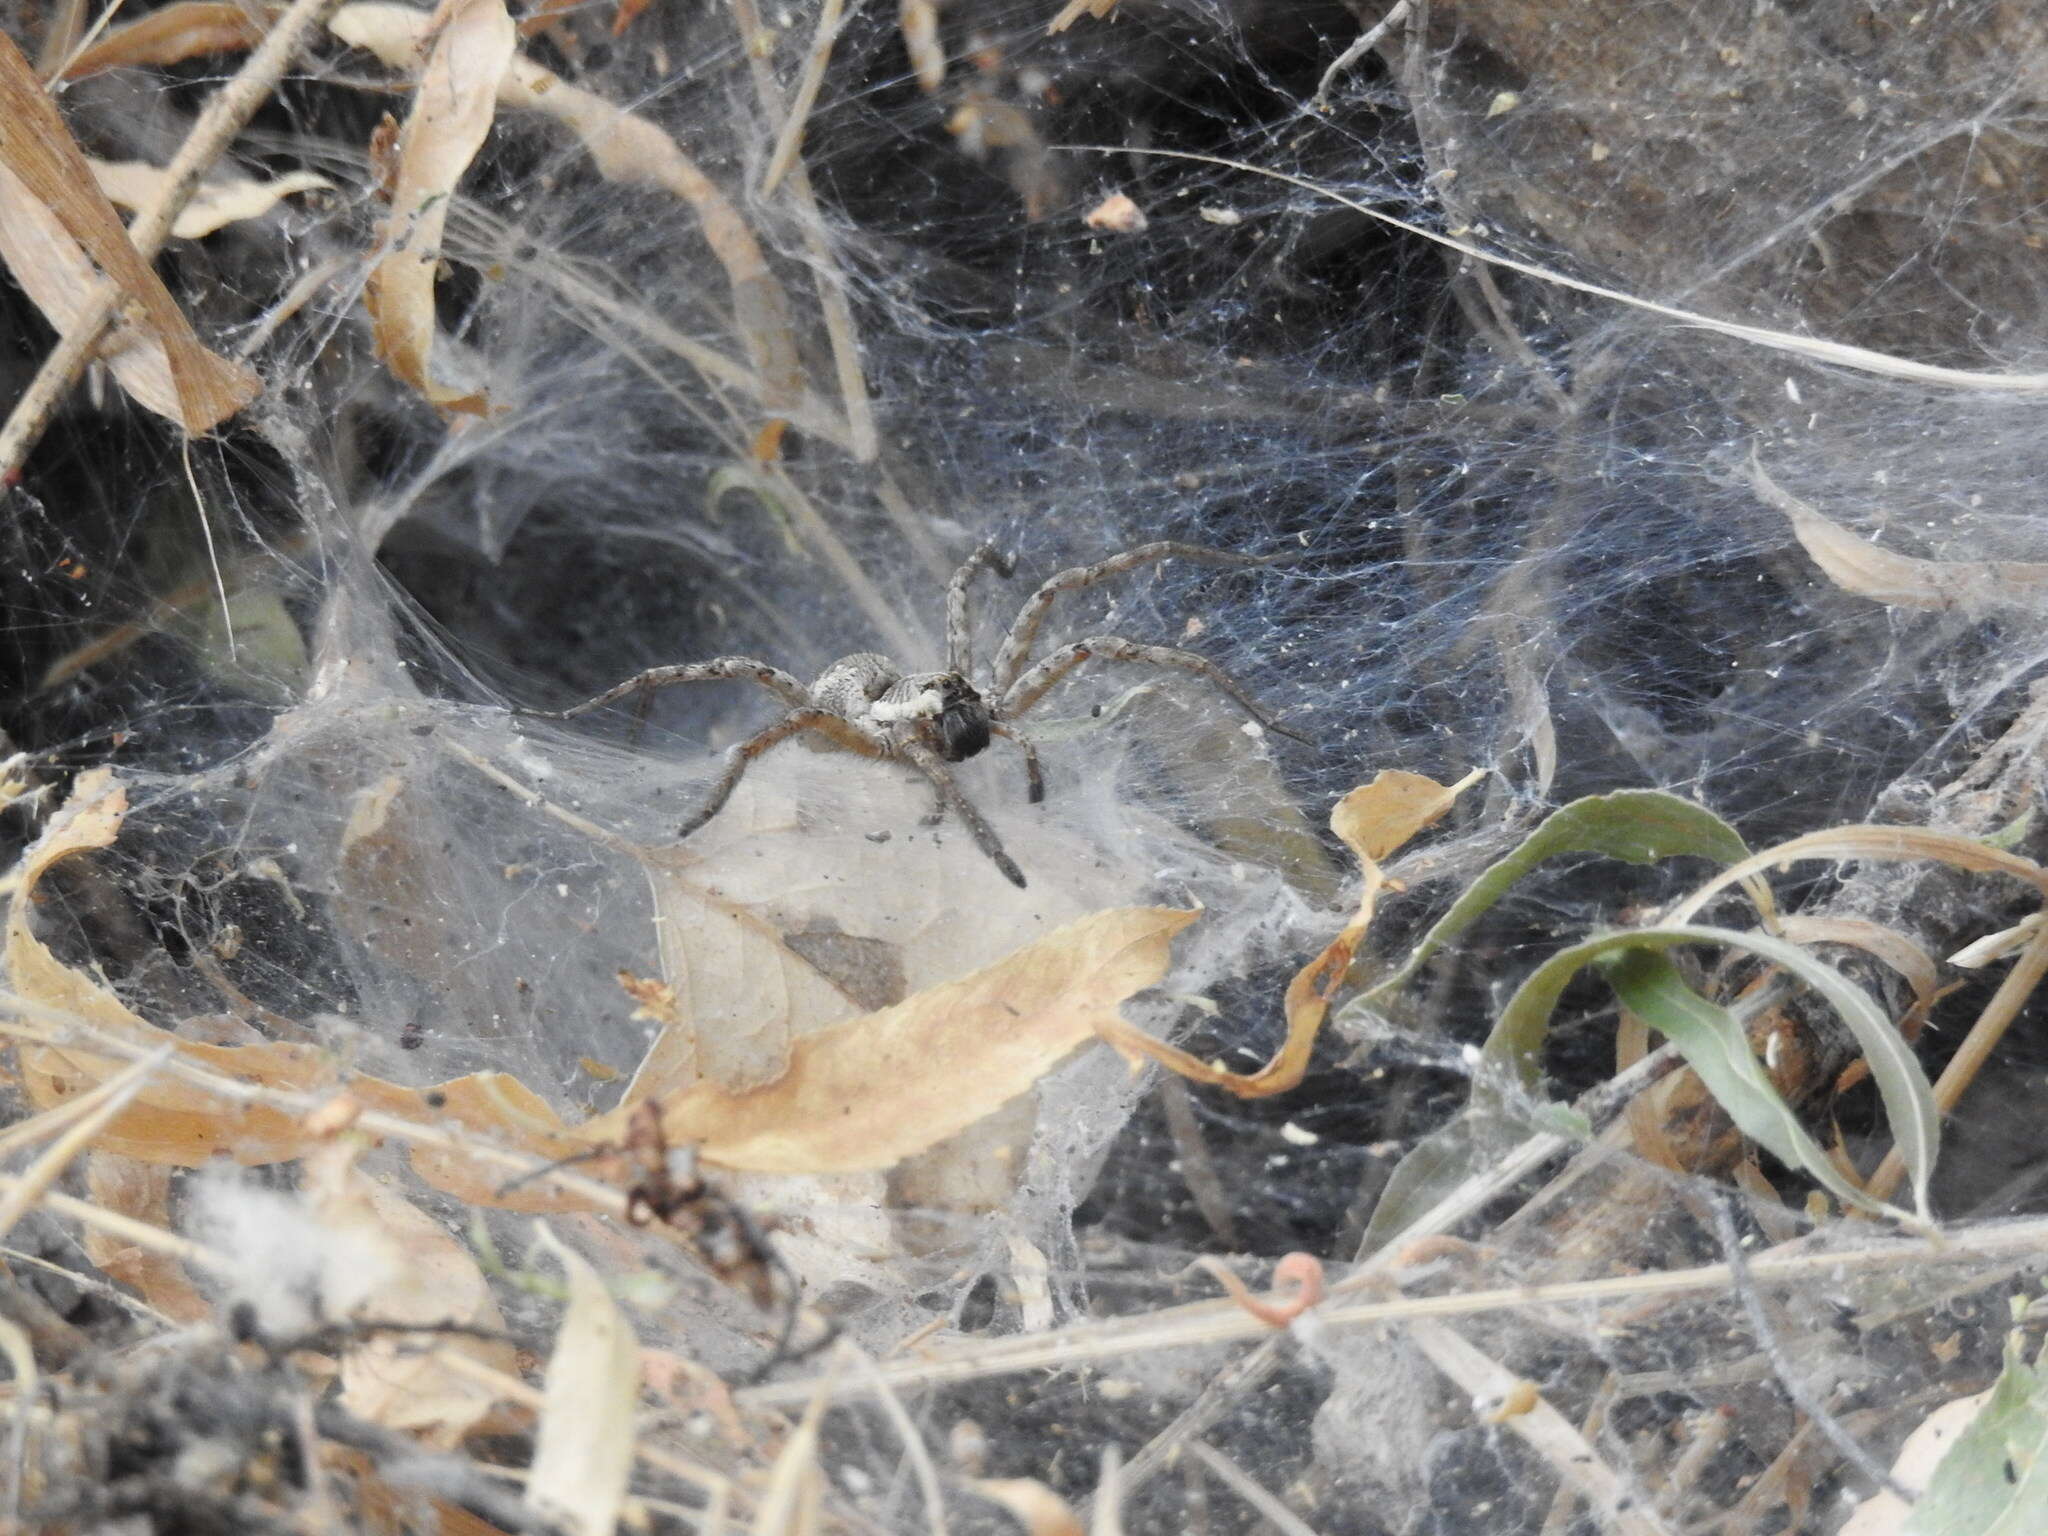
1033 685
717 670
1034 776
1017 644
959 623
932 767
737 758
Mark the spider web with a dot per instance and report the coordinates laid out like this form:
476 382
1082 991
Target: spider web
1537 535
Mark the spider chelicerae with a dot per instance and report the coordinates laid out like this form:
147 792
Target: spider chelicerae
869 705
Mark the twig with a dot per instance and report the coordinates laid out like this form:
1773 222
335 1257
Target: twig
1990 1027
226 113
1767 1340
1240 1482
1207 1323
1365 43
1546 1431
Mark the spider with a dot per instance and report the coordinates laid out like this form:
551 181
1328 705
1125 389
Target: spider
869 705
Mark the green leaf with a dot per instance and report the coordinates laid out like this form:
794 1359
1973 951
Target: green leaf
1640 826
1901 1083
1994 1479
1715 1046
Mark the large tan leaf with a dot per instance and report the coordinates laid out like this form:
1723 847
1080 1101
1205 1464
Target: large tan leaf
425 1276
452 110
45 170
815 896
871 1091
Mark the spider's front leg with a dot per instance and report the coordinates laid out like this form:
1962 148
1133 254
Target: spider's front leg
1033 685
933 767
720 669
842 732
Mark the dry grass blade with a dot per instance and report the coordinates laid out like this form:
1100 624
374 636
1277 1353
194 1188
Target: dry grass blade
1106 1511
630 150
1881 843
1546 1431
584 1447
795 1489
918 21
118 1091
791 139
453 106
137 184
1856 565
2020 983
170 35
1883 365
27 1385
1036 1507
1241 1483
1374 820
41 155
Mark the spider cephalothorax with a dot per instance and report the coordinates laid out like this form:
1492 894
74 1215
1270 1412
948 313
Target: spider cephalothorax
866 704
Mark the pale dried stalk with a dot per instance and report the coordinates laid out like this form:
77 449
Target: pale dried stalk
1207 1323
227 112
44 1171
1546 1431
1241 1483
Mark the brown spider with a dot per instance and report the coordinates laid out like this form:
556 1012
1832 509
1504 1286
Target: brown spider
867 704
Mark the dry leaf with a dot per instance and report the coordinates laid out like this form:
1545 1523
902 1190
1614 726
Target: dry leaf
866 1093
175 32
143 1191
46 167
629 149
183 1124
1856 565
425 1276
453 106
754 958
136 184
1374 820
584 1446
1074 10
1036 1507
1116 214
